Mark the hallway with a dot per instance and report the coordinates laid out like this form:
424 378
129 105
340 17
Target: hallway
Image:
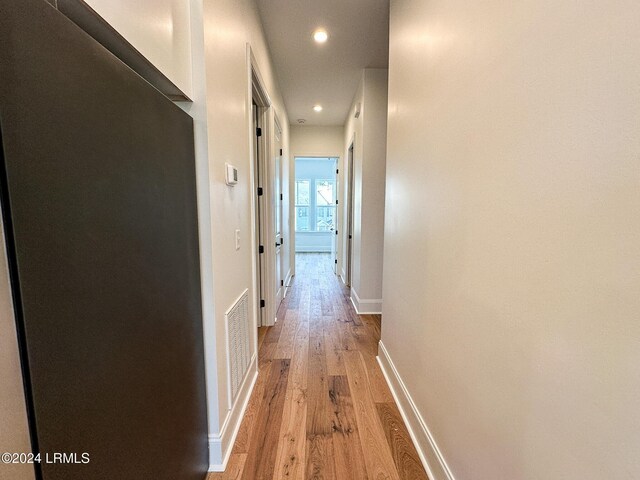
321 407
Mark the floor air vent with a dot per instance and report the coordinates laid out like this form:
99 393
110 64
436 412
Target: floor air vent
237 318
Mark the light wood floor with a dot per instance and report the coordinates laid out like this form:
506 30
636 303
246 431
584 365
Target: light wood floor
321 408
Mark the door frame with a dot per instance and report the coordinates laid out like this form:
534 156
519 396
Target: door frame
348 236
262 176
278 205
335 239
292 202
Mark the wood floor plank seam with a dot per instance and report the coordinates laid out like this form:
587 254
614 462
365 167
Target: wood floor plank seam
321 408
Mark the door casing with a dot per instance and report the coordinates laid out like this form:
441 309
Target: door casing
262 208
349 215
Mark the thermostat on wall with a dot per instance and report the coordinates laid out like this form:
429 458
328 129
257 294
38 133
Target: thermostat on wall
232 174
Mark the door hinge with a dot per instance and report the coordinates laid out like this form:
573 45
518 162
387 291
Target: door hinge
335 261
261 249
258 132
336 202
262 303
280 152
281 197
282 283
260 191
336 232
349 237
337 171
282 241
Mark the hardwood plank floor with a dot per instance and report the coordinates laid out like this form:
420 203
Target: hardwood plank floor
290 459
404 453
321 408
346 439
378 459
263 443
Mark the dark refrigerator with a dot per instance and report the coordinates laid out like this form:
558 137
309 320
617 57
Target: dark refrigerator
97 185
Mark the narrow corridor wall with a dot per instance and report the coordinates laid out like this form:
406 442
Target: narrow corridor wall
369 134
512 239
230 27
316 140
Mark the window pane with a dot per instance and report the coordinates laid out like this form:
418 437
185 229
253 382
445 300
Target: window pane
302 192
324 192
302 219
325 218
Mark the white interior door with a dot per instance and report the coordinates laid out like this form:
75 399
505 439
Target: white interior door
278 200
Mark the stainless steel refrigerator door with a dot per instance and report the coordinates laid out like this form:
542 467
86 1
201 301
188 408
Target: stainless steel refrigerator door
98 189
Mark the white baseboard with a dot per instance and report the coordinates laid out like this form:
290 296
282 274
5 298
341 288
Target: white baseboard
312 249
365 306
220 445
430 455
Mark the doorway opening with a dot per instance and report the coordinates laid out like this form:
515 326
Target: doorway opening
315 208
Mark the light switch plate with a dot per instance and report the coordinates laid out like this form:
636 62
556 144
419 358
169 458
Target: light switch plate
231 174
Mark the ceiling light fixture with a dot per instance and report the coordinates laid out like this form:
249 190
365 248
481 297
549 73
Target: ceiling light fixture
317 108
320 36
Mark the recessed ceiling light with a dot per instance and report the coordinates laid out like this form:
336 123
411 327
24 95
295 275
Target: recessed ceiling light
317 108
320 36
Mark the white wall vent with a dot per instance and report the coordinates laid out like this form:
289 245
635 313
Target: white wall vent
238 351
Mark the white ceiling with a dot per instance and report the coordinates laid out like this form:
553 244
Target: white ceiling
328 73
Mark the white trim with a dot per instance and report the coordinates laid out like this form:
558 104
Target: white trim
430 455
343 277
367 305
267 275
329 156
204 169
255 271
313 249
287 282
220 445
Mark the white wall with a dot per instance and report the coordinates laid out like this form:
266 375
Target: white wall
316 141
512 240
369 132
159 29
229 25
352 133
14 429
313 242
